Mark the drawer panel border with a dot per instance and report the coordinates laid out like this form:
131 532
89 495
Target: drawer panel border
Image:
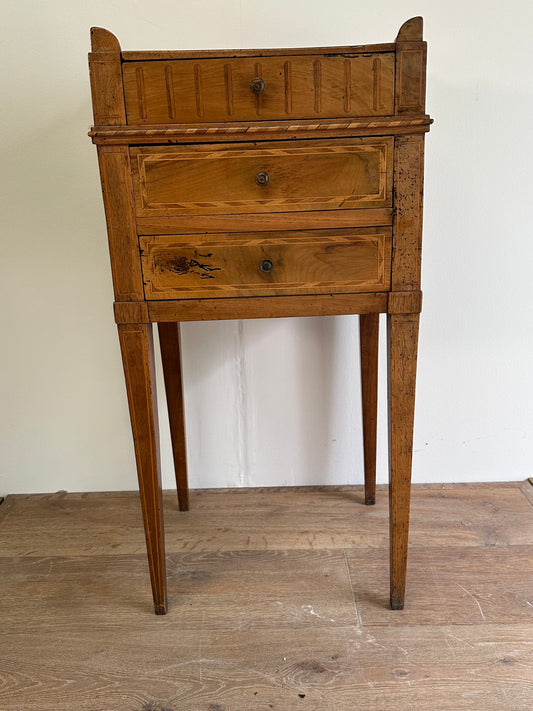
259 200
222 265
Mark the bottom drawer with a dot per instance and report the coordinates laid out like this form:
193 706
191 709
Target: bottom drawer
266 264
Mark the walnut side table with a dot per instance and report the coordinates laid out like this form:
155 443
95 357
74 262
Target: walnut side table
261 183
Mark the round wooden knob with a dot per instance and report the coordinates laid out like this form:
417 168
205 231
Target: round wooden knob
262 178
266 266
257 85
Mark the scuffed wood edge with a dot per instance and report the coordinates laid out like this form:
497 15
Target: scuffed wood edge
411 30
266 307
105 72
405 302
407 212
131 312
103 40
161 55
410 72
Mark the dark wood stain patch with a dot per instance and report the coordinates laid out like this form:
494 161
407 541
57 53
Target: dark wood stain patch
181 264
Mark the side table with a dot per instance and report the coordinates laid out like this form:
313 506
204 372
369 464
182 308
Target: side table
256 184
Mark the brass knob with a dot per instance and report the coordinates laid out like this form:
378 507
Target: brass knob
266 266
262 178
257 85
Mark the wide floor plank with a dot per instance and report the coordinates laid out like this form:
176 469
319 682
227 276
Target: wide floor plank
224 591
277 600
448 586
155 666
273 520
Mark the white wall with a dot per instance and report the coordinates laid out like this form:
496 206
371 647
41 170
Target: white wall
268 402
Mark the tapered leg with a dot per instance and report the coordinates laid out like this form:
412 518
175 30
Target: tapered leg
402 341
369 339
136 343
169 340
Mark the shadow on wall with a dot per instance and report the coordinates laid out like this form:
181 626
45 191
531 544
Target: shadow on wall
273 402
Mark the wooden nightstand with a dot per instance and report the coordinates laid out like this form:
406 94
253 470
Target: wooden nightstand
261 183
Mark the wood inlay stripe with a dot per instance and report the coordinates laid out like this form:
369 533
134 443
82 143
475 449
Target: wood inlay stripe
141 134
141 97
317 79
228 84
198 90
169 83
347 85
258 97
287 69
376 92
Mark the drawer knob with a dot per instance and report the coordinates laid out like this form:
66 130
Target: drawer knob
257 85
262 178
266 266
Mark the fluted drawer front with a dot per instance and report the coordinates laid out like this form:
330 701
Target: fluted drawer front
259 88
262 177
275 263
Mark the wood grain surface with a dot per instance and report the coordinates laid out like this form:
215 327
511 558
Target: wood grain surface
294 616
260 130
402 343
361 115
152 55
369 345
294 86
170 345
265 222
223 179
259 307
272 263
137 348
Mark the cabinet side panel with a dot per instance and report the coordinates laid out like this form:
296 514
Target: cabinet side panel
115 175
407 212
410 93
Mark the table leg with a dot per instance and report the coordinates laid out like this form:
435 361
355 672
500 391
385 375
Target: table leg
369 339
136 343
169 340
402 341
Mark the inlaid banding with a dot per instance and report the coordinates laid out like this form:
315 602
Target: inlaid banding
198 90
228 86
258 97
287 70
317 80
141 96
169 84
347 85
376 89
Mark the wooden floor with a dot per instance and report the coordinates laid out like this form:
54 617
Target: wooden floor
278 600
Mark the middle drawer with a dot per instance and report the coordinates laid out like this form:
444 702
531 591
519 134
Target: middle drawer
262 177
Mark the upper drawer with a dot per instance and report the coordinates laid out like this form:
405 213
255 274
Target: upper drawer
305 86
262 177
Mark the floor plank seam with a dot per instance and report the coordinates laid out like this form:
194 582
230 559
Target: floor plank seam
354 594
